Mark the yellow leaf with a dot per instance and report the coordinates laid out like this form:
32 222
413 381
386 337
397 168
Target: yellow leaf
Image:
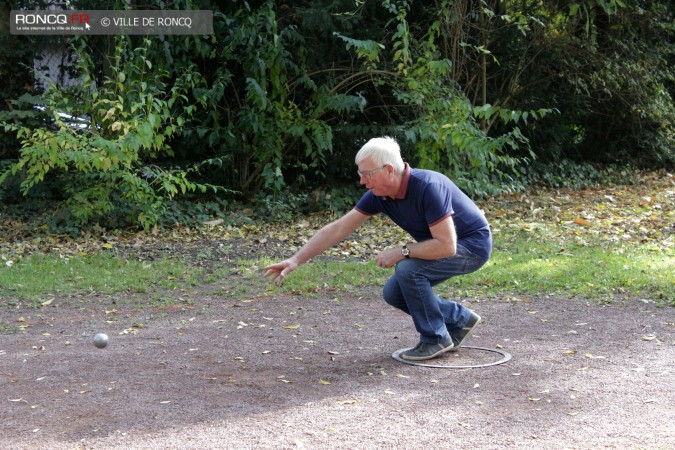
324 382
583 222
291 327
570 352
107 245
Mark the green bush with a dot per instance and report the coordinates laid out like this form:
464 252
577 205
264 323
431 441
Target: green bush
104 160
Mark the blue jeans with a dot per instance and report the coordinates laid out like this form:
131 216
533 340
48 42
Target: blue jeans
410 290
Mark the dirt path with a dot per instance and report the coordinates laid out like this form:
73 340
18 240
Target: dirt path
295 372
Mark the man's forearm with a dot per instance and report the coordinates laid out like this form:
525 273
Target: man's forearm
432 249
324 239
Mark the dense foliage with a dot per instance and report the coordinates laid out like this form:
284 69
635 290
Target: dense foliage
281 96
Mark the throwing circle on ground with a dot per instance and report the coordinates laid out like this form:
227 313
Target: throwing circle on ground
505 357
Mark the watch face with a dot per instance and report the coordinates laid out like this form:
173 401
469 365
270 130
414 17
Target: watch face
405 251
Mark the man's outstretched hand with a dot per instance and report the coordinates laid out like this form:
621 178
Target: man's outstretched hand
278 271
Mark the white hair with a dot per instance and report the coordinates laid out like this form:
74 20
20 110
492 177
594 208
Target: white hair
382 150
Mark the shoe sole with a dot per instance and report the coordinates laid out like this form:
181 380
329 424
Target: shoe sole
456 347
424 358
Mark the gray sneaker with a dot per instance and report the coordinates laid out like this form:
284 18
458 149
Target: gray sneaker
424 351
459 336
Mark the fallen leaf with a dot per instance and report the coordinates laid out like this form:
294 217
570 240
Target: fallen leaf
290 327
583 222
212 223
324 382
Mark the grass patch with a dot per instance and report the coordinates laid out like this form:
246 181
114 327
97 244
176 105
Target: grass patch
536 267
600 244
38 275
523 264
244 278
340 275
523 267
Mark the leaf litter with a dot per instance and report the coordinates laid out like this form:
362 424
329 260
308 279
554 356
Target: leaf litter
640 213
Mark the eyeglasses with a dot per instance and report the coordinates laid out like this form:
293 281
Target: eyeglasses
370 173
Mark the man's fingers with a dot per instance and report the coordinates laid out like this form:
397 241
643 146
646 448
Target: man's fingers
275 275
277 272
270 272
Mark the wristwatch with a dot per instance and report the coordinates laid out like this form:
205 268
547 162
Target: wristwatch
405 251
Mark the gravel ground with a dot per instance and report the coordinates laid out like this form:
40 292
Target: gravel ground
295 372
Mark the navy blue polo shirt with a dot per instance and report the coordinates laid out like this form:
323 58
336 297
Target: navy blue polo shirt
425 199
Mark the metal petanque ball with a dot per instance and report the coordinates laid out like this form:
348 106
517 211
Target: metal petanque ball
101 340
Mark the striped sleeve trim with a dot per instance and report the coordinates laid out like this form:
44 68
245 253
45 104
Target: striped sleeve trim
441 219
364 212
